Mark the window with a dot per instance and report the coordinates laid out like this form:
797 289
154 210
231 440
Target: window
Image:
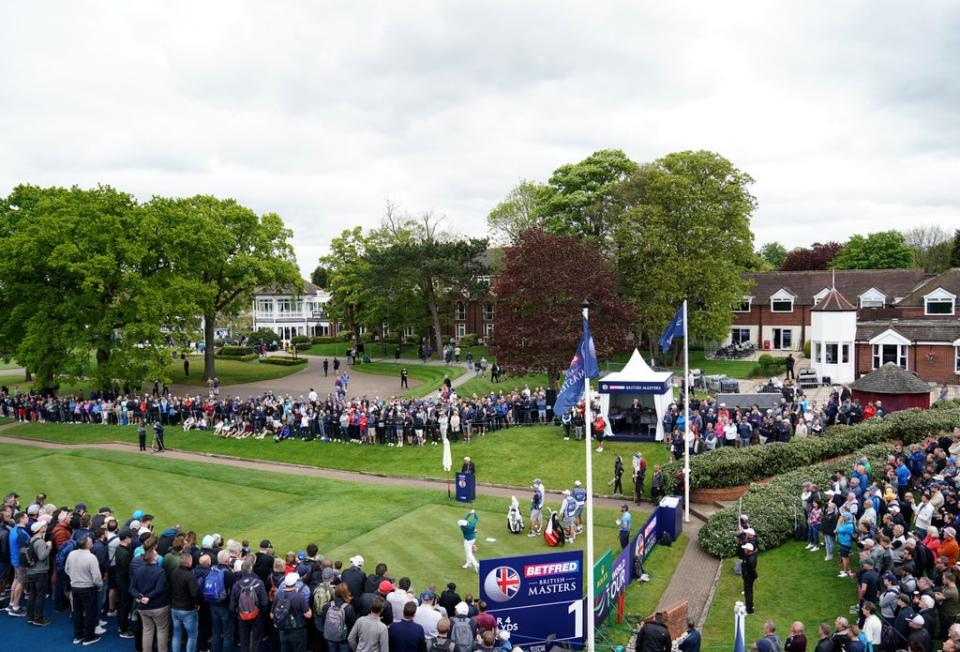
461 330
884 353
872 298
739 335
845 354
265 307
819 296
781 301
488 330
488 312
956 359
288 307
939 306
460 311
783 338
743 306
830 351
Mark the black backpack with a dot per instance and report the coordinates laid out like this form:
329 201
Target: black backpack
665 539
28 556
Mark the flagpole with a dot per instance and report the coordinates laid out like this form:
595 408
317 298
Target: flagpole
588 422
686 418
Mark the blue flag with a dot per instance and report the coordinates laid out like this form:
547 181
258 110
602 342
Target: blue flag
738 642
675 329
583 365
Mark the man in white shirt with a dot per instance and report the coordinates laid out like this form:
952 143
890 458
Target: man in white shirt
428 614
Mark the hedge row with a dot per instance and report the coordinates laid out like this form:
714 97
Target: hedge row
242 358
771 506
282 360
235 350
732 467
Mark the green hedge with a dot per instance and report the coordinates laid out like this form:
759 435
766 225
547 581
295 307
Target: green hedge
234 350
242 358
283 360
770 506
470 339
323 340
345 336
731 467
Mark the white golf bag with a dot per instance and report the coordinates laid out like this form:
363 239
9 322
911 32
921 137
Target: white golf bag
514 518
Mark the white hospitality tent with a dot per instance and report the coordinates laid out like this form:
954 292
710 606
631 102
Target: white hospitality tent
653 390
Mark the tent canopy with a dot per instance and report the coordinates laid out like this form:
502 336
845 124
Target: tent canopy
652 389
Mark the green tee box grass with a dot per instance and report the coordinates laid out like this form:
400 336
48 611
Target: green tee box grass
414 531
483 386
513 456
793 584
230 372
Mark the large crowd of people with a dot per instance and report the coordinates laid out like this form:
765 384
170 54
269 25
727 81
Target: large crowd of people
124 576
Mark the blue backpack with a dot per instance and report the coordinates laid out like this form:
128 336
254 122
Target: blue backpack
214 588
61 560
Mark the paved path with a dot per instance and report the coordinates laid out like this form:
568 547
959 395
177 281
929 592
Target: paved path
694 578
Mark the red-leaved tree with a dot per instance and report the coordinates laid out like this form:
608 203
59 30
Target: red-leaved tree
539 294
815 257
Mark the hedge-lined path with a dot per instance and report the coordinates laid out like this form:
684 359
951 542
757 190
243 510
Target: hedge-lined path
694 578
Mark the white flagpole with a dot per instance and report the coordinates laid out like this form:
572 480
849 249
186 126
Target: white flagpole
686 418
589 506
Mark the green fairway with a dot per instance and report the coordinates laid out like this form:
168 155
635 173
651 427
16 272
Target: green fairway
414 531
230 372
430 376
482 385
513 456
794 584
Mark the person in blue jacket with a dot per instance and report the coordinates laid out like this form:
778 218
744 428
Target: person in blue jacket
845 534
468 527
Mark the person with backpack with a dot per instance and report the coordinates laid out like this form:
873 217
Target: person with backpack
463 630
248 599
216 591
289 615
368 634
442 642
37 570
337 618
18 538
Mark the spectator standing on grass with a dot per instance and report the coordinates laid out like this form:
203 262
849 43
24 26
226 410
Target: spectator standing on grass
797 641
368 633
654 636
825 644
405 635
691 640
289 615
748 574
248 601
770 642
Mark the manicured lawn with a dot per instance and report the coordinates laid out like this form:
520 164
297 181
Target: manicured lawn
413 531
732 368
230 372
333 349
514 456
793 584
482 385
430 376
376 351
642 599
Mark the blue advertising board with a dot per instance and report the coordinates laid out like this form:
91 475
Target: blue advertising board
537 598
633 387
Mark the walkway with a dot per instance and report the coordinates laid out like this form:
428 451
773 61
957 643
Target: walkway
694 578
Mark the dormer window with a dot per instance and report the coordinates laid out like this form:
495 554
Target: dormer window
873 298
819 296
939 302
743 306
781 301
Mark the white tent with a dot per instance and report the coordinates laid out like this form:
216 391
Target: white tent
653 389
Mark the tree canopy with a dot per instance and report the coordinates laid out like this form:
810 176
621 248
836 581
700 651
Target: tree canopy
931 246
773 253
815 257
522 209
881 250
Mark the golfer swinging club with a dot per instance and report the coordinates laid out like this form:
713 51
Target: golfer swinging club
468 526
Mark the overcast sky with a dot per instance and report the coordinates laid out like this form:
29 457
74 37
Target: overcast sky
847 114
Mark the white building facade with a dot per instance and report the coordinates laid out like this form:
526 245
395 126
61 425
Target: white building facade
289 315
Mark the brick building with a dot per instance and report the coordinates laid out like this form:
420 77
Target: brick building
902 316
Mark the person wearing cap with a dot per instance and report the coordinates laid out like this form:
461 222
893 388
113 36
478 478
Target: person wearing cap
749 575
38 574
868 582
264 563
468 466
905 613
949 548
919 636
123 557
387 613
888 597
468 528
568 511
580 496
289 615
428 614
356 579
624 523
536 508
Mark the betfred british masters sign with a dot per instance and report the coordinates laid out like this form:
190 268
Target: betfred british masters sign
537 598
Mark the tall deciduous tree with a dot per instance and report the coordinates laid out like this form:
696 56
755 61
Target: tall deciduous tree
774 253
955 251
522 209
815 257
539 292
881 250
687 236
583 198
224 251
351 281
931 247
320 276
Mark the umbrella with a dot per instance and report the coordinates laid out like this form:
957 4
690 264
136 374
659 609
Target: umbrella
447 462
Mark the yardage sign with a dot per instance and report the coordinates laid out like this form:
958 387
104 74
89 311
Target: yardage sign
537 598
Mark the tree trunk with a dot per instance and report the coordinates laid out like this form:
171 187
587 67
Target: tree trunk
435 318
209 322
27 376
552 375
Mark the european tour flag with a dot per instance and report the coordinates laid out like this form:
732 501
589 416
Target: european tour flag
675 329
583 365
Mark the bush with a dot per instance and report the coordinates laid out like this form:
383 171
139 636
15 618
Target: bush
731 467
300 339
768 365
242 358
283 360
261 336
774 506
345 336
234 351
366 338
323 340
806 349
470 339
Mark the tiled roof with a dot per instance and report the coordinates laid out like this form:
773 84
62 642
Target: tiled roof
890 379
834 302
948 280
915 330
308 288
850 283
